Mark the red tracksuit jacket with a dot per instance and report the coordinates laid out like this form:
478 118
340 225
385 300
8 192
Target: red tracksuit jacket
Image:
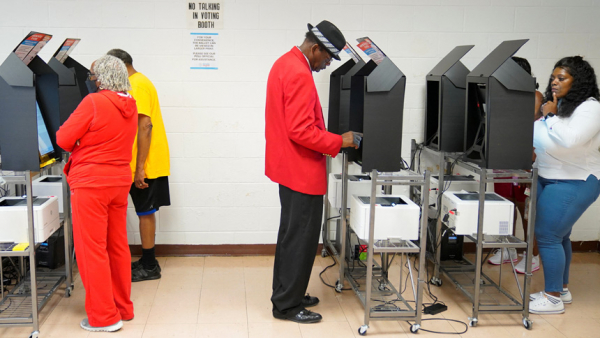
295 131
105 124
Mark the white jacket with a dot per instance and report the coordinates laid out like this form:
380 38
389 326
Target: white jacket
568 148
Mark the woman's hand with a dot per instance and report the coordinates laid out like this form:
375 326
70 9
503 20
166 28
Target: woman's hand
550 106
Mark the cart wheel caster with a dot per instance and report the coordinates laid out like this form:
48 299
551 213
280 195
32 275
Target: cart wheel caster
68 292
473 322
324 253
72 287
415 328
527 323
436 281
363 330
338 286
34 334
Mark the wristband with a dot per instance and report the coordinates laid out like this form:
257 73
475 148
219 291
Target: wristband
357 139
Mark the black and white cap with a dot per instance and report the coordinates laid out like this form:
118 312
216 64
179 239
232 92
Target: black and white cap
329 36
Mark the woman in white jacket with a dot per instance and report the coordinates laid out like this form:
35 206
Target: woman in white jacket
566 141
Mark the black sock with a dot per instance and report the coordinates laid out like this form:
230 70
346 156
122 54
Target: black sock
148 259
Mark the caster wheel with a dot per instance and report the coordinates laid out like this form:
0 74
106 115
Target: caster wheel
436 281
34 334
473 323
68 293
72 287
363 330
324 253
527 323
415 328
338 287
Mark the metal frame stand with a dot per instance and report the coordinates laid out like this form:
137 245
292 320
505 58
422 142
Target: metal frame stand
19 307
486 295
371 283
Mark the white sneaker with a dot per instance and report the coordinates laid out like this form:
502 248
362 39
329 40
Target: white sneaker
565 296
535 264
507 256
85 324
545 304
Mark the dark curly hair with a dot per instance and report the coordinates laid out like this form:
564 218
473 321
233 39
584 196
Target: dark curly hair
584 84
523 63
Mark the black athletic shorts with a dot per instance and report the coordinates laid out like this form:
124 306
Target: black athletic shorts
148 201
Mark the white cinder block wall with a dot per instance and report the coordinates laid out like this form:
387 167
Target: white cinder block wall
215 119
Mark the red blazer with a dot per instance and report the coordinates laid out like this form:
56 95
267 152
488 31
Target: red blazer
295 131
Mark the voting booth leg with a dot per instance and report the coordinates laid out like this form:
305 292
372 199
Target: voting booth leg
343 224
68 231
326 230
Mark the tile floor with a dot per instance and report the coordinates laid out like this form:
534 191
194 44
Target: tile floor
229 297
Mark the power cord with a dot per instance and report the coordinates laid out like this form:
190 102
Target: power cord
8 306
324 282
446 319
4 191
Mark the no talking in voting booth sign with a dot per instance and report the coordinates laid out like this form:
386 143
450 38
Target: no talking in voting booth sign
205 15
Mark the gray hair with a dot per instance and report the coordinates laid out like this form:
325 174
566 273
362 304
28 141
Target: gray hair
112 74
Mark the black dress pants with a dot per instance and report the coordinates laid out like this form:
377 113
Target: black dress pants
297 243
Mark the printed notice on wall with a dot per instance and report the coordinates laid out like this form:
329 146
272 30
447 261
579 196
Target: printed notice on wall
204 50
205 15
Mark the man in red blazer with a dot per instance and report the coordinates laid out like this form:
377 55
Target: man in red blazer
297 143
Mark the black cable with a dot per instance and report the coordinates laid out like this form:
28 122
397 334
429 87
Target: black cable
424 305
446 319
354 261
407 275
9 271
405 165
9 304
419 167
414 157
322 272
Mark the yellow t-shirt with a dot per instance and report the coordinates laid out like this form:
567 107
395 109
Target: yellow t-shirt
146 97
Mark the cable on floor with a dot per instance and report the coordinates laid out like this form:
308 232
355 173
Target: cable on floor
446 319
323 281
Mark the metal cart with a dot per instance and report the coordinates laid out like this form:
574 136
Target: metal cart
381 300
22 304
486 295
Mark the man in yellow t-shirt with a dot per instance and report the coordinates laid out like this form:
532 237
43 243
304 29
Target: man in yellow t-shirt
150 167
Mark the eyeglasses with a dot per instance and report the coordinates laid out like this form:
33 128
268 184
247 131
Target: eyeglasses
92 75
328 57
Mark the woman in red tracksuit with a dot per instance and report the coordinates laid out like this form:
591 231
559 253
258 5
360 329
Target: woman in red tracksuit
100 135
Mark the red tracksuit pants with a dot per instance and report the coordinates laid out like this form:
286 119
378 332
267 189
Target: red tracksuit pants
103 257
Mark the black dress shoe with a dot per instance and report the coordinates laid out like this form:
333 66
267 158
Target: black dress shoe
302 317
141 274
308 301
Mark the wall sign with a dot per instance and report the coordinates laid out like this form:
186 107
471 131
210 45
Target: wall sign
204 50
205 15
